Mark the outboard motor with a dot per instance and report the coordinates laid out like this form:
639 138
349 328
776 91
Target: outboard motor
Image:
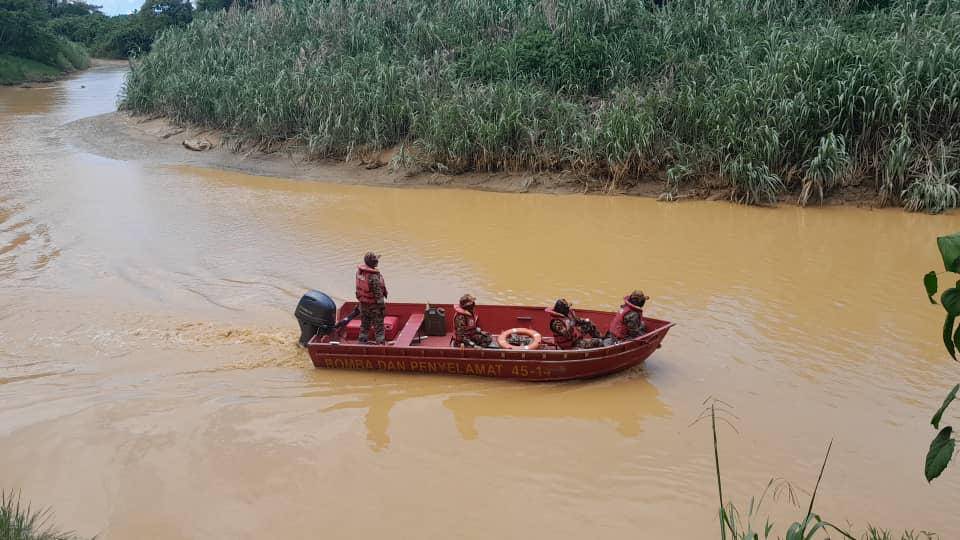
317 314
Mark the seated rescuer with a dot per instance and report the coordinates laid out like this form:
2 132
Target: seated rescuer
466 324
570 331
372 295
628 323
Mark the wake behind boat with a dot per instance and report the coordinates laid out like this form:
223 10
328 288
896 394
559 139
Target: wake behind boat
420 339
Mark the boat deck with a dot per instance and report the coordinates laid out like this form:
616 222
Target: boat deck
411 336
408 349
404 325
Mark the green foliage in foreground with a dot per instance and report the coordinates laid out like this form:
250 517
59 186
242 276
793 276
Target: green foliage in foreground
737 526
762 96
19 521
880 534
943 445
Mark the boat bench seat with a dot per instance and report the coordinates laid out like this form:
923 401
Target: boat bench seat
391 325
410 331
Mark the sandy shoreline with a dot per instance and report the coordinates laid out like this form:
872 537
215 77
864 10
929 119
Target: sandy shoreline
122 136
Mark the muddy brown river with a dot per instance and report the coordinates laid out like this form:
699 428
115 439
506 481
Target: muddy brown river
151 386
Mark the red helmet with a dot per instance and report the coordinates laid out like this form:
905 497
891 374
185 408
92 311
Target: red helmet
371 259
468 300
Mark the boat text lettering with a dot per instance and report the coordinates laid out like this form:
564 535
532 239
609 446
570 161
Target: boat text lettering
425 366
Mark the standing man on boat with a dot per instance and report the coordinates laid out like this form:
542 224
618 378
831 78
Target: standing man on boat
466 325
570 331
372 295
628 322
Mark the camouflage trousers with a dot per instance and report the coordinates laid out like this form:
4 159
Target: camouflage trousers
588 343
372 315
592 340
484 339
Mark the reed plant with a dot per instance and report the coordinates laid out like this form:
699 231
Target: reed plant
874 533
766 95
827 168
20 521
735 525
934 189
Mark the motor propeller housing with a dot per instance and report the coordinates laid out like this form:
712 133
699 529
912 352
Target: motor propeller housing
317 314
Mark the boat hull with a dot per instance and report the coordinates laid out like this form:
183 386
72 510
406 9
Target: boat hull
525 365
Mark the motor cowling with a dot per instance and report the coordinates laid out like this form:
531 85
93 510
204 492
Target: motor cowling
317 314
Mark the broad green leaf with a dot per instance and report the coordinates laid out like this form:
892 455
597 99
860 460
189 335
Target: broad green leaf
935 421
941 450
930 283
951 300
795 532
956 338
947 337
950 251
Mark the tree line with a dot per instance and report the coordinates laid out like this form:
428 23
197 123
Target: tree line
49 31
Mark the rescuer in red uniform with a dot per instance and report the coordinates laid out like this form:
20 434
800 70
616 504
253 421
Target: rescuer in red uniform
466 324
570 331
372 295
628 323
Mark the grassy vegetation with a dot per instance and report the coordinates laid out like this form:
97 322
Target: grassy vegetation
739 526
19 521
761 96
14 70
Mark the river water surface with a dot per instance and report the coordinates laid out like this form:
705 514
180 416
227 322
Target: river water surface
151 386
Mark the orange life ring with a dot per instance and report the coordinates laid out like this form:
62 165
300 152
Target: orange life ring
532 334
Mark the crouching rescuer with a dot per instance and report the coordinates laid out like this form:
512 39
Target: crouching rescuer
570 331
372 296
628 322
466 324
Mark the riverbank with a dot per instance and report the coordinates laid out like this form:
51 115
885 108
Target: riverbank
756 102
158 140
16 70
129 137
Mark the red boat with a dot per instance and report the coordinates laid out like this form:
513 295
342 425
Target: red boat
419 341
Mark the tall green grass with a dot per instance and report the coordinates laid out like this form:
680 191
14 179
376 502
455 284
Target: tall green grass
20 521
736 525
764 96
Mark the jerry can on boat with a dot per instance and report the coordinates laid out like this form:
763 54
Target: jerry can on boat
434 321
